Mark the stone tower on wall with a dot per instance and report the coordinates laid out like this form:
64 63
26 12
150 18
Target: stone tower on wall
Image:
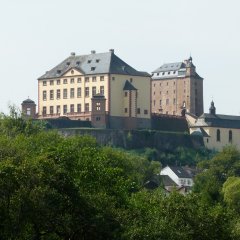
98 114
176 88
29 108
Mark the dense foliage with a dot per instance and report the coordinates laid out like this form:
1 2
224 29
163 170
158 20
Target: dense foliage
52 187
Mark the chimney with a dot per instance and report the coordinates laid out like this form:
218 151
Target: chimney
72 53
93 52
111 50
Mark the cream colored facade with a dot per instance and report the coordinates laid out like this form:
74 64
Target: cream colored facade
212 142
80 84
119 102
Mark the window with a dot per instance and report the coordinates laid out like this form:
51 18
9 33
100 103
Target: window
72 108
174 113
64 81
58 109
101 78
230 136
94 91
44 111
86 79
44 83
167 92
157 74
51 95
97 60
145 112
173 83
154 84
153 93
98 106
154 102
93 68
184 91
79 92
72 93
113 78
58 82
79 80
125 110
89 61
160 84
28 111
51 109
131 80
218 136
65 93
58 93
160 102
86 91
72 72
167 101
174 72
102 90
94 79
168 73
160 93
79 108
174 101
51 82
174 91
163 73
64 109
138 111
86 107
167 83
44 95
98 118
72 80
125 94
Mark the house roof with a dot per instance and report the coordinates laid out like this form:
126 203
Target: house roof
128 86
180 172
167 181
95 63
218 120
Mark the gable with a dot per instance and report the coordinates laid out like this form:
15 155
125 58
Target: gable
72 72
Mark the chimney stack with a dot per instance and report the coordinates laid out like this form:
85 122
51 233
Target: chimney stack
72 53
111 50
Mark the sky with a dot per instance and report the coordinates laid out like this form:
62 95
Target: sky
37 35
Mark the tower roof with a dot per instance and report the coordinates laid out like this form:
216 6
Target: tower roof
128 86
28 101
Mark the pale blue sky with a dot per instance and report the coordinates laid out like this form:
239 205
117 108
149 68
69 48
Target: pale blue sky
37 35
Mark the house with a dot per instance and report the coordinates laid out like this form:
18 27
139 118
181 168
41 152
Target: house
99 87
217 130
178 175
177 88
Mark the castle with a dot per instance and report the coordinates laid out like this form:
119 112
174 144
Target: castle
103 89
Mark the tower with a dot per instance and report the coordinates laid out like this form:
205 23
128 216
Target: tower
29 108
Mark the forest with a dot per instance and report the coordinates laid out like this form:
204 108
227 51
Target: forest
56 187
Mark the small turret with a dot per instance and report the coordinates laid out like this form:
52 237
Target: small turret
212 109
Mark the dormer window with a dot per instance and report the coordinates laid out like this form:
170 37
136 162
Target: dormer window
68 63
89 61
93 68
169 73
77 63
163 73
97 60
